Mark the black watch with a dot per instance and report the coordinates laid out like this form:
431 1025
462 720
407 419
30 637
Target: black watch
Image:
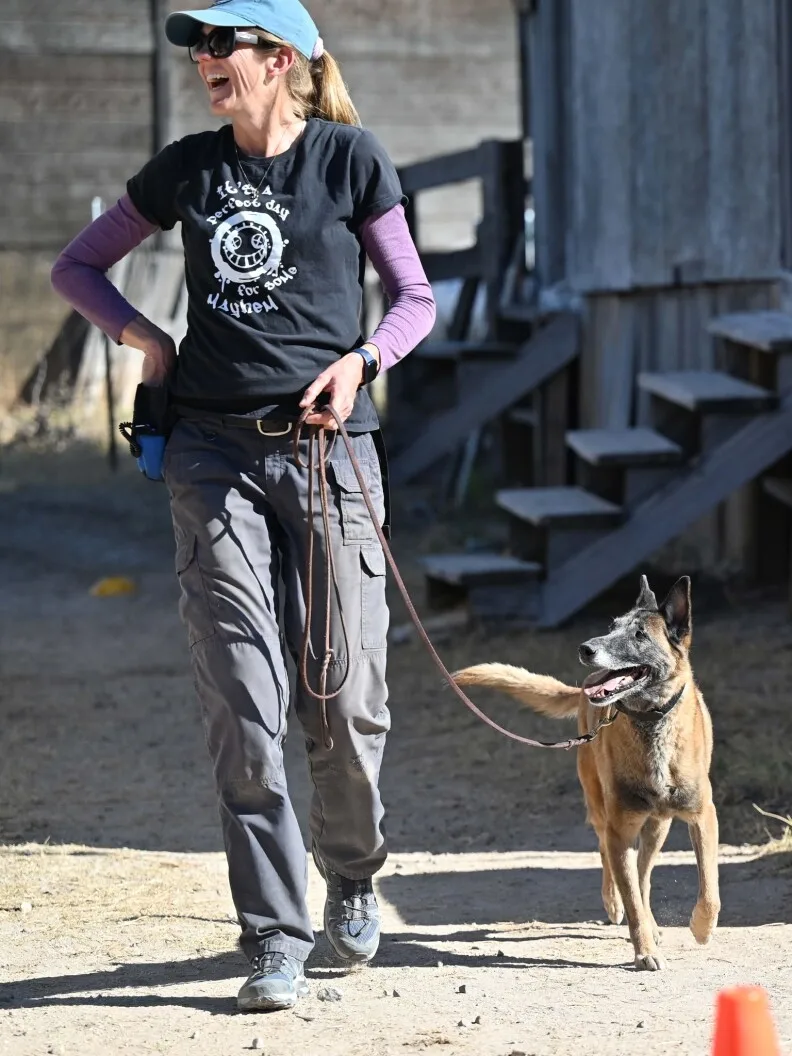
371 369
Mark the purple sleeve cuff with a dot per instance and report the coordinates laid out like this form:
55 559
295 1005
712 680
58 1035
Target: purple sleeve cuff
411 313
79 274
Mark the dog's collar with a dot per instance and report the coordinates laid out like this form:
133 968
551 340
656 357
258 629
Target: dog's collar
654 715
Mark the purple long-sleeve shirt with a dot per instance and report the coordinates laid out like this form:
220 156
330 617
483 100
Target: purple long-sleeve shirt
80 276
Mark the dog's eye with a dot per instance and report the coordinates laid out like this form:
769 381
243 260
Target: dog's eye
641 635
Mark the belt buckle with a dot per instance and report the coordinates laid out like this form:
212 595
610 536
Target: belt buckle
265 432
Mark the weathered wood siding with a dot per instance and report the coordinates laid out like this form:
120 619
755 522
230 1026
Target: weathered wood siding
651 330
673 141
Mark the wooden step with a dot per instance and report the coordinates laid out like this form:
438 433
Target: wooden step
489 583
780 488
767 331
624 447
708 391
479 569
567 507
761 443
451 351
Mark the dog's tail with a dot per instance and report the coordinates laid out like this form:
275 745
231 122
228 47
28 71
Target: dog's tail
542 693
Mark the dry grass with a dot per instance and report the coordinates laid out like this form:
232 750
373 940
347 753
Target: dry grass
781 844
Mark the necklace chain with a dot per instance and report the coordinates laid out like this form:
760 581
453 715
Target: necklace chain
272 161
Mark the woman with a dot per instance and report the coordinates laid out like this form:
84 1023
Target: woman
276 210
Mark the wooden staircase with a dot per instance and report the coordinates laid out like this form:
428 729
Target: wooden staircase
528 368
706 434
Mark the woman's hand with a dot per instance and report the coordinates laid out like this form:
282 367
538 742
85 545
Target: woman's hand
158 348
342 382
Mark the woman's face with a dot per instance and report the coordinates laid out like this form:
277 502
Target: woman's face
242 82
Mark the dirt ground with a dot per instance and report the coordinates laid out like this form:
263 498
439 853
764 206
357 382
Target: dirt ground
116 929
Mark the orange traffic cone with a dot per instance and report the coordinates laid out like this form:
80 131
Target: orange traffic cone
743 1024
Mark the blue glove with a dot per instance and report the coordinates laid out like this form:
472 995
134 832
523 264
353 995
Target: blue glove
152 448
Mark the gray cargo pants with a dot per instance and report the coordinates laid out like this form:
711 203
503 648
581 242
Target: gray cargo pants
239 507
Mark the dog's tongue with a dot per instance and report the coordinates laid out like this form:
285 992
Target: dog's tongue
602 683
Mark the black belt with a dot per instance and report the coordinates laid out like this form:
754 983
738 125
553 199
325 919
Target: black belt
282 427
265 426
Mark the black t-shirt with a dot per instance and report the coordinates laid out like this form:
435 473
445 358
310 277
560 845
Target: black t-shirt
274 265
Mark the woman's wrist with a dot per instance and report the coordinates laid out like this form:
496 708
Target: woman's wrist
142 334
372 348
368 357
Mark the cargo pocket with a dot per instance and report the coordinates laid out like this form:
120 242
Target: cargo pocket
373 607
356 525
194 603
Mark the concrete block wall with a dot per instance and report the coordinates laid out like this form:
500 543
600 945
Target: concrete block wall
428 76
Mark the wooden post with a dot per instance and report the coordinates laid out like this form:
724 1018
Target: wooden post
524 9
548 70
503 182
784 13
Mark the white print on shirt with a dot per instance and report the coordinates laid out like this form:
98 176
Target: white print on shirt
248 245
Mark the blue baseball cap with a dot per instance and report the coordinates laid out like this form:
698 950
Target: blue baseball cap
287 19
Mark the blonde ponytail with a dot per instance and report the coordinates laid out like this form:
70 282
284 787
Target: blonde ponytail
317 88
331 98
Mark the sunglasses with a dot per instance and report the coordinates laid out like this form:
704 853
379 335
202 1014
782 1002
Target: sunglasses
221 42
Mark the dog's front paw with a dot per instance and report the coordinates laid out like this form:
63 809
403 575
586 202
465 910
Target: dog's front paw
703 921
614 907
649 962
615 911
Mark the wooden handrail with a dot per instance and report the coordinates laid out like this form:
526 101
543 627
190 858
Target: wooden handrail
454 264
436 172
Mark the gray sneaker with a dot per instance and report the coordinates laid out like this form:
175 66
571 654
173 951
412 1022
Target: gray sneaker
351 915
275 983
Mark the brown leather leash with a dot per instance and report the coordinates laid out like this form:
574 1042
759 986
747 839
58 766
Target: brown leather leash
331 587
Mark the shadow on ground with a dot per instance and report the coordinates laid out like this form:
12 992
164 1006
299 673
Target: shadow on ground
572 896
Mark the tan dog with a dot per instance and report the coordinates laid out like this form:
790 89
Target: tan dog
649 767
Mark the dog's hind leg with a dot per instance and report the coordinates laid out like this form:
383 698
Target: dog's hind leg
703 829
622 832
653 836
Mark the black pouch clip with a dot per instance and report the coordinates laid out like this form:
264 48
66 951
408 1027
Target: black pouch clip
149 429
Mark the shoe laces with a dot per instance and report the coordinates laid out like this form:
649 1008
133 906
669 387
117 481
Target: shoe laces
355 895
269 961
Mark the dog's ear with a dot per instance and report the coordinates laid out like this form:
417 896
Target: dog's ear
676 610
646 599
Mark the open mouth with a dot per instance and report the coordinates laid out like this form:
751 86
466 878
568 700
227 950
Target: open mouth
603 686
215 82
